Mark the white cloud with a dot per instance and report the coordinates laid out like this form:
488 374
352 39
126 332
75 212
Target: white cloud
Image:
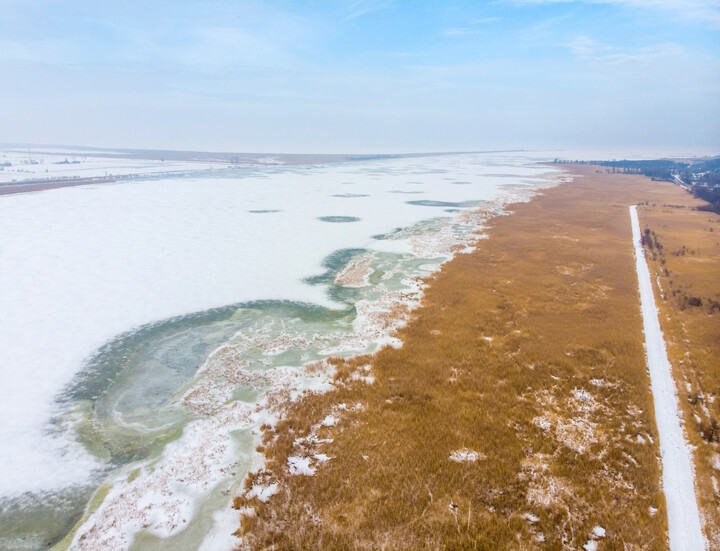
457 31
472 28
358 8
704 10
589 49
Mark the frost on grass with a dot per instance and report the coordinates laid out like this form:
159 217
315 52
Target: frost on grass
545 489
307 455
571 424
465 455
550 491
363 374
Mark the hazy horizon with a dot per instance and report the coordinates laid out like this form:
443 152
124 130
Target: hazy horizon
363 76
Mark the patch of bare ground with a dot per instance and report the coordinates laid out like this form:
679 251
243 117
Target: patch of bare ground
517 414
683 250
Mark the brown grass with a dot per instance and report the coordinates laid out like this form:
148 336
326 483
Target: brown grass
687 264
527 351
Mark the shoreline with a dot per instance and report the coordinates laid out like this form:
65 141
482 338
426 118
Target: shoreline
589 425
431 244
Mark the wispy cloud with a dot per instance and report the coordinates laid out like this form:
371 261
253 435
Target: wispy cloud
589 49
704 10
472 28
259 37
358 8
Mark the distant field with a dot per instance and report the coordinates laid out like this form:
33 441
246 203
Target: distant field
35 168
683 246
518 413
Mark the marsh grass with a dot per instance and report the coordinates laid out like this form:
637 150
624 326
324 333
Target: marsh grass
687 270
527 351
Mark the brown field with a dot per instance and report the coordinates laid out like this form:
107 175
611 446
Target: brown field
687 266
527 357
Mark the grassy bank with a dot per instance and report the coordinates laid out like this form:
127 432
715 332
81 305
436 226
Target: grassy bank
517 414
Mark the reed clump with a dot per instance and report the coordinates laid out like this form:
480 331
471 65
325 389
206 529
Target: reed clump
517 414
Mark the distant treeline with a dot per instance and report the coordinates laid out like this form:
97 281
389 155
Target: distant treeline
711 195
659 169
701 177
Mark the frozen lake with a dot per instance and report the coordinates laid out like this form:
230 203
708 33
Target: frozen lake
81 266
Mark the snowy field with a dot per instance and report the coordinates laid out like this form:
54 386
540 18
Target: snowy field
18 165
82 265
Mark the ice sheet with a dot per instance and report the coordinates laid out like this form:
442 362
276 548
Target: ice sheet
81 265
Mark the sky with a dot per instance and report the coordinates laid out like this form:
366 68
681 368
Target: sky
362 76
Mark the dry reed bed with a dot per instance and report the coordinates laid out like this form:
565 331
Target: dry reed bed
683 248
525 365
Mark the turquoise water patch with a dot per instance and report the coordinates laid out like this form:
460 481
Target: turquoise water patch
263 211
127 404
350 195
388 235
36 522
338 219
430 203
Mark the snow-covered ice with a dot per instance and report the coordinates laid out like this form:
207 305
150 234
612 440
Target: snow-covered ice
83 265
677 466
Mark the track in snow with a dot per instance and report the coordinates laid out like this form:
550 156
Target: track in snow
677 468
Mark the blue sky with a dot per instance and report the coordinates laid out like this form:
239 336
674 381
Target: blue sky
362 75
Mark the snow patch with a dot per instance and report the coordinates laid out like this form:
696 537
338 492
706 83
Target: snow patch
329 421
300 466
263 492
465 455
